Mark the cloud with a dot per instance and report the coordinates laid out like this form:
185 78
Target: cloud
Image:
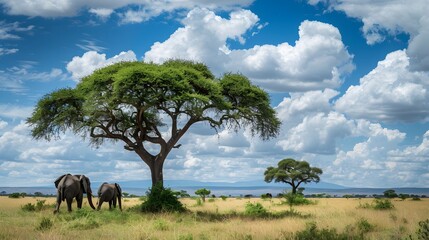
7 51
8 30
310 125
380 160
3 124
13 79
130 11
14 111
391 18
390 92
90 45
90 61
318 60
102 13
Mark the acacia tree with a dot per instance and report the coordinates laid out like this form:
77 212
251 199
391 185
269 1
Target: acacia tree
134 102
293 172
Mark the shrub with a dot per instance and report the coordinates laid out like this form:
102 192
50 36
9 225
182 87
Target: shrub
15 195
160 199
423 231
255 209
383 204
29 207
364 226
223 197
311 232
160 225
45 224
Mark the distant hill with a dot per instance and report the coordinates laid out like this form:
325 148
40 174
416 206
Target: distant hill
247 184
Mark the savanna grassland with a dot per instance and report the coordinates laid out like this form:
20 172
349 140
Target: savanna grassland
214 219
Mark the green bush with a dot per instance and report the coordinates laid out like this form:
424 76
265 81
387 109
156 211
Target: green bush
311 232
29 207
160 199
364 226
255 209
160 225
39 206
383 204
15 195
45 224
223 197
423 231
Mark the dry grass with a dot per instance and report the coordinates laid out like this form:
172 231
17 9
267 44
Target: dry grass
327 213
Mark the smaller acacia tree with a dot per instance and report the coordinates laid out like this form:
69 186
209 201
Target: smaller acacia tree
203 193
293 172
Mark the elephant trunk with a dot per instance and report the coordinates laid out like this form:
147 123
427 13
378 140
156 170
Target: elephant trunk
89 195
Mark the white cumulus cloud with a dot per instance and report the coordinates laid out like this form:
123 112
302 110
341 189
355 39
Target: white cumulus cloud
390 92
318 59
381 18
90 61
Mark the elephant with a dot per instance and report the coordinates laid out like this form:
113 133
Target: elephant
108 193
72 186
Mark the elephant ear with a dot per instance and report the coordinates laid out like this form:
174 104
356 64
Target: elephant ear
85 184
59 180
99 189
119 189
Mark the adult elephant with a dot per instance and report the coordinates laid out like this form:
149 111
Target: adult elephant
109 193
72 186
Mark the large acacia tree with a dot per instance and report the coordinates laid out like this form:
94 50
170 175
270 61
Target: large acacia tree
293 172
134 102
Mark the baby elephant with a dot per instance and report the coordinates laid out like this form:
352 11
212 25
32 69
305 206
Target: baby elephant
109 193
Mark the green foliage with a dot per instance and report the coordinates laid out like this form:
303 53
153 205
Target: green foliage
423 231
378 204
29 207
182 194
403 196
390 193
203 193
383 204
45 224
223 197
295 199
293 172
15 195
364 226
160 199
160 225
255 210
312 232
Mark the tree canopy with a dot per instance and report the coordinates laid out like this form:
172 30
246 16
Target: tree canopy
132 102
293 172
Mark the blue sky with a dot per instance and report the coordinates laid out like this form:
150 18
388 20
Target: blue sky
349 79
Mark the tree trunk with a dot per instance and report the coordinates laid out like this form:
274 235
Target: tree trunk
156 171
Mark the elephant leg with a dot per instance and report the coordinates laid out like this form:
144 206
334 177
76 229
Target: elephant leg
110 205
114 202
79 200
69 204
57 207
